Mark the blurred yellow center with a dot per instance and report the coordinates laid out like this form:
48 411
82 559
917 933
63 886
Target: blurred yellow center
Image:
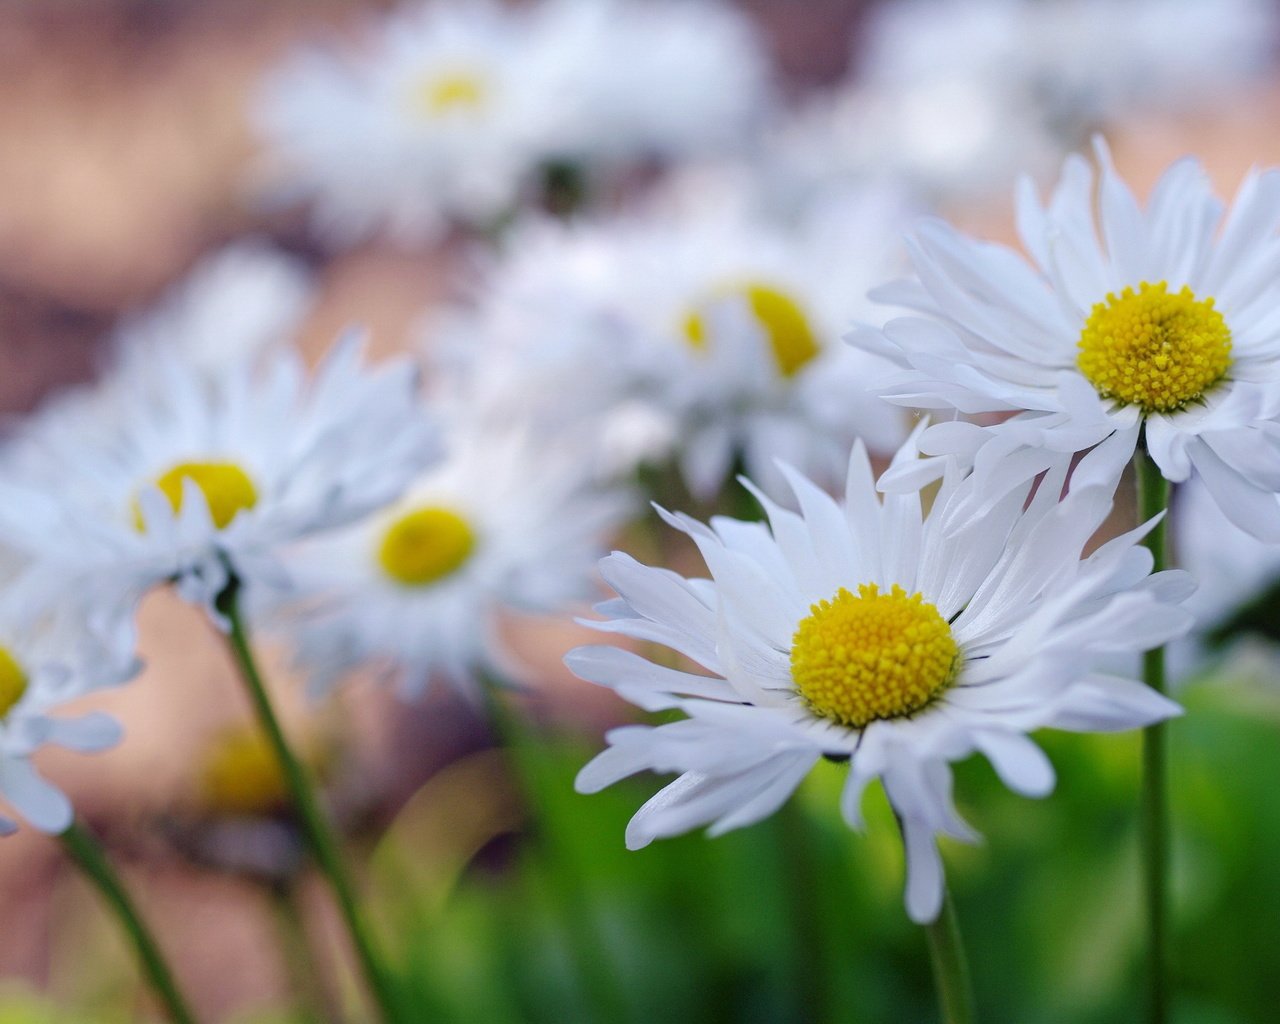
786 328
1156 350
13 682
241 775
856 659
426 545
226 487
458 91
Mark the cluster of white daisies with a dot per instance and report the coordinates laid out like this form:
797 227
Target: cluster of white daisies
715 323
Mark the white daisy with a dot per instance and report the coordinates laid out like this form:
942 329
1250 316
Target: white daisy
46 662
199 477
503 523
1168 329
869 632
438 117
657 78
723 324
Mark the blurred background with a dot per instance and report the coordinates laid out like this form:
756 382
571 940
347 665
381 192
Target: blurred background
128 154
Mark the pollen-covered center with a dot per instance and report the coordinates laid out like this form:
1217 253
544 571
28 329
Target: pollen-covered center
425 546
858 658
786 327
450 93
226 487
1154 349
13 682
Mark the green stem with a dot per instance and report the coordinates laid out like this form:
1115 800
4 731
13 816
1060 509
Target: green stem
1153 498
315 825
950 967
555 867
82 848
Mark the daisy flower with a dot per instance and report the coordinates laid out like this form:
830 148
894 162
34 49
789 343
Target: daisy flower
194 479
503 523
47 661
1158 323
870 633
437 117
719 323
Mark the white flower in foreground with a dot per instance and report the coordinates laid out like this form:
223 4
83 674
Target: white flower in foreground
503 523
44 664
1168 329
869 632
438 117
664 78
197 478
719 322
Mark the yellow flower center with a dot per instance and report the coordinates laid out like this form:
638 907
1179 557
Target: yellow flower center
13 682
226 487
242 775
451 93
426 545
786 327
1156 350
856 659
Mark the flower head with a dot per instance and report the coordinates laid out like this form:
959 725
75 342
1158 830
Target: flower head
438 118
721 323
1160 323
418 589
872 633
193 478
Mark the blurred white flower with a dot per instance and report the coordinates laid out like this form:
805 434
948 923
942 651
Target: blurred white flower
960 95
46 661
504 522
235 304
191 477
1232 570
873 633
658 78
438 116
707 326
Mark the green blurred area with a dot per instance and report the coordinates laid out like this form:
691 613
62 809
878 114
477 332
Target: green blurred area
503 895
798 919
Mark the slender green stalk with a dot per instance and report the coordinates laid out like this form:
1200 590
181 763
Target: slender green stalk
1153 498
950 967
555 868
82 848
315 824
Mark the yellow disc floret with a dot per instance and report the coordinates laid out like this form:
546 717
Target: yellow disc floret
241 774
13 682
455 92
856 659
426 545
226 487
786 327
1153 349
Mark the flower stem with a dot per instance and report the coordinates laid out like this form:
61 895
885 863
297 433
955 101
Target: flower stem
85 850
1153 498
315 825
950 966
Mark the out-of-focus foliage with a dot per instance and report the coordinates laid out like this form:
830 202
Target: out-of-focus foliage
796 919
